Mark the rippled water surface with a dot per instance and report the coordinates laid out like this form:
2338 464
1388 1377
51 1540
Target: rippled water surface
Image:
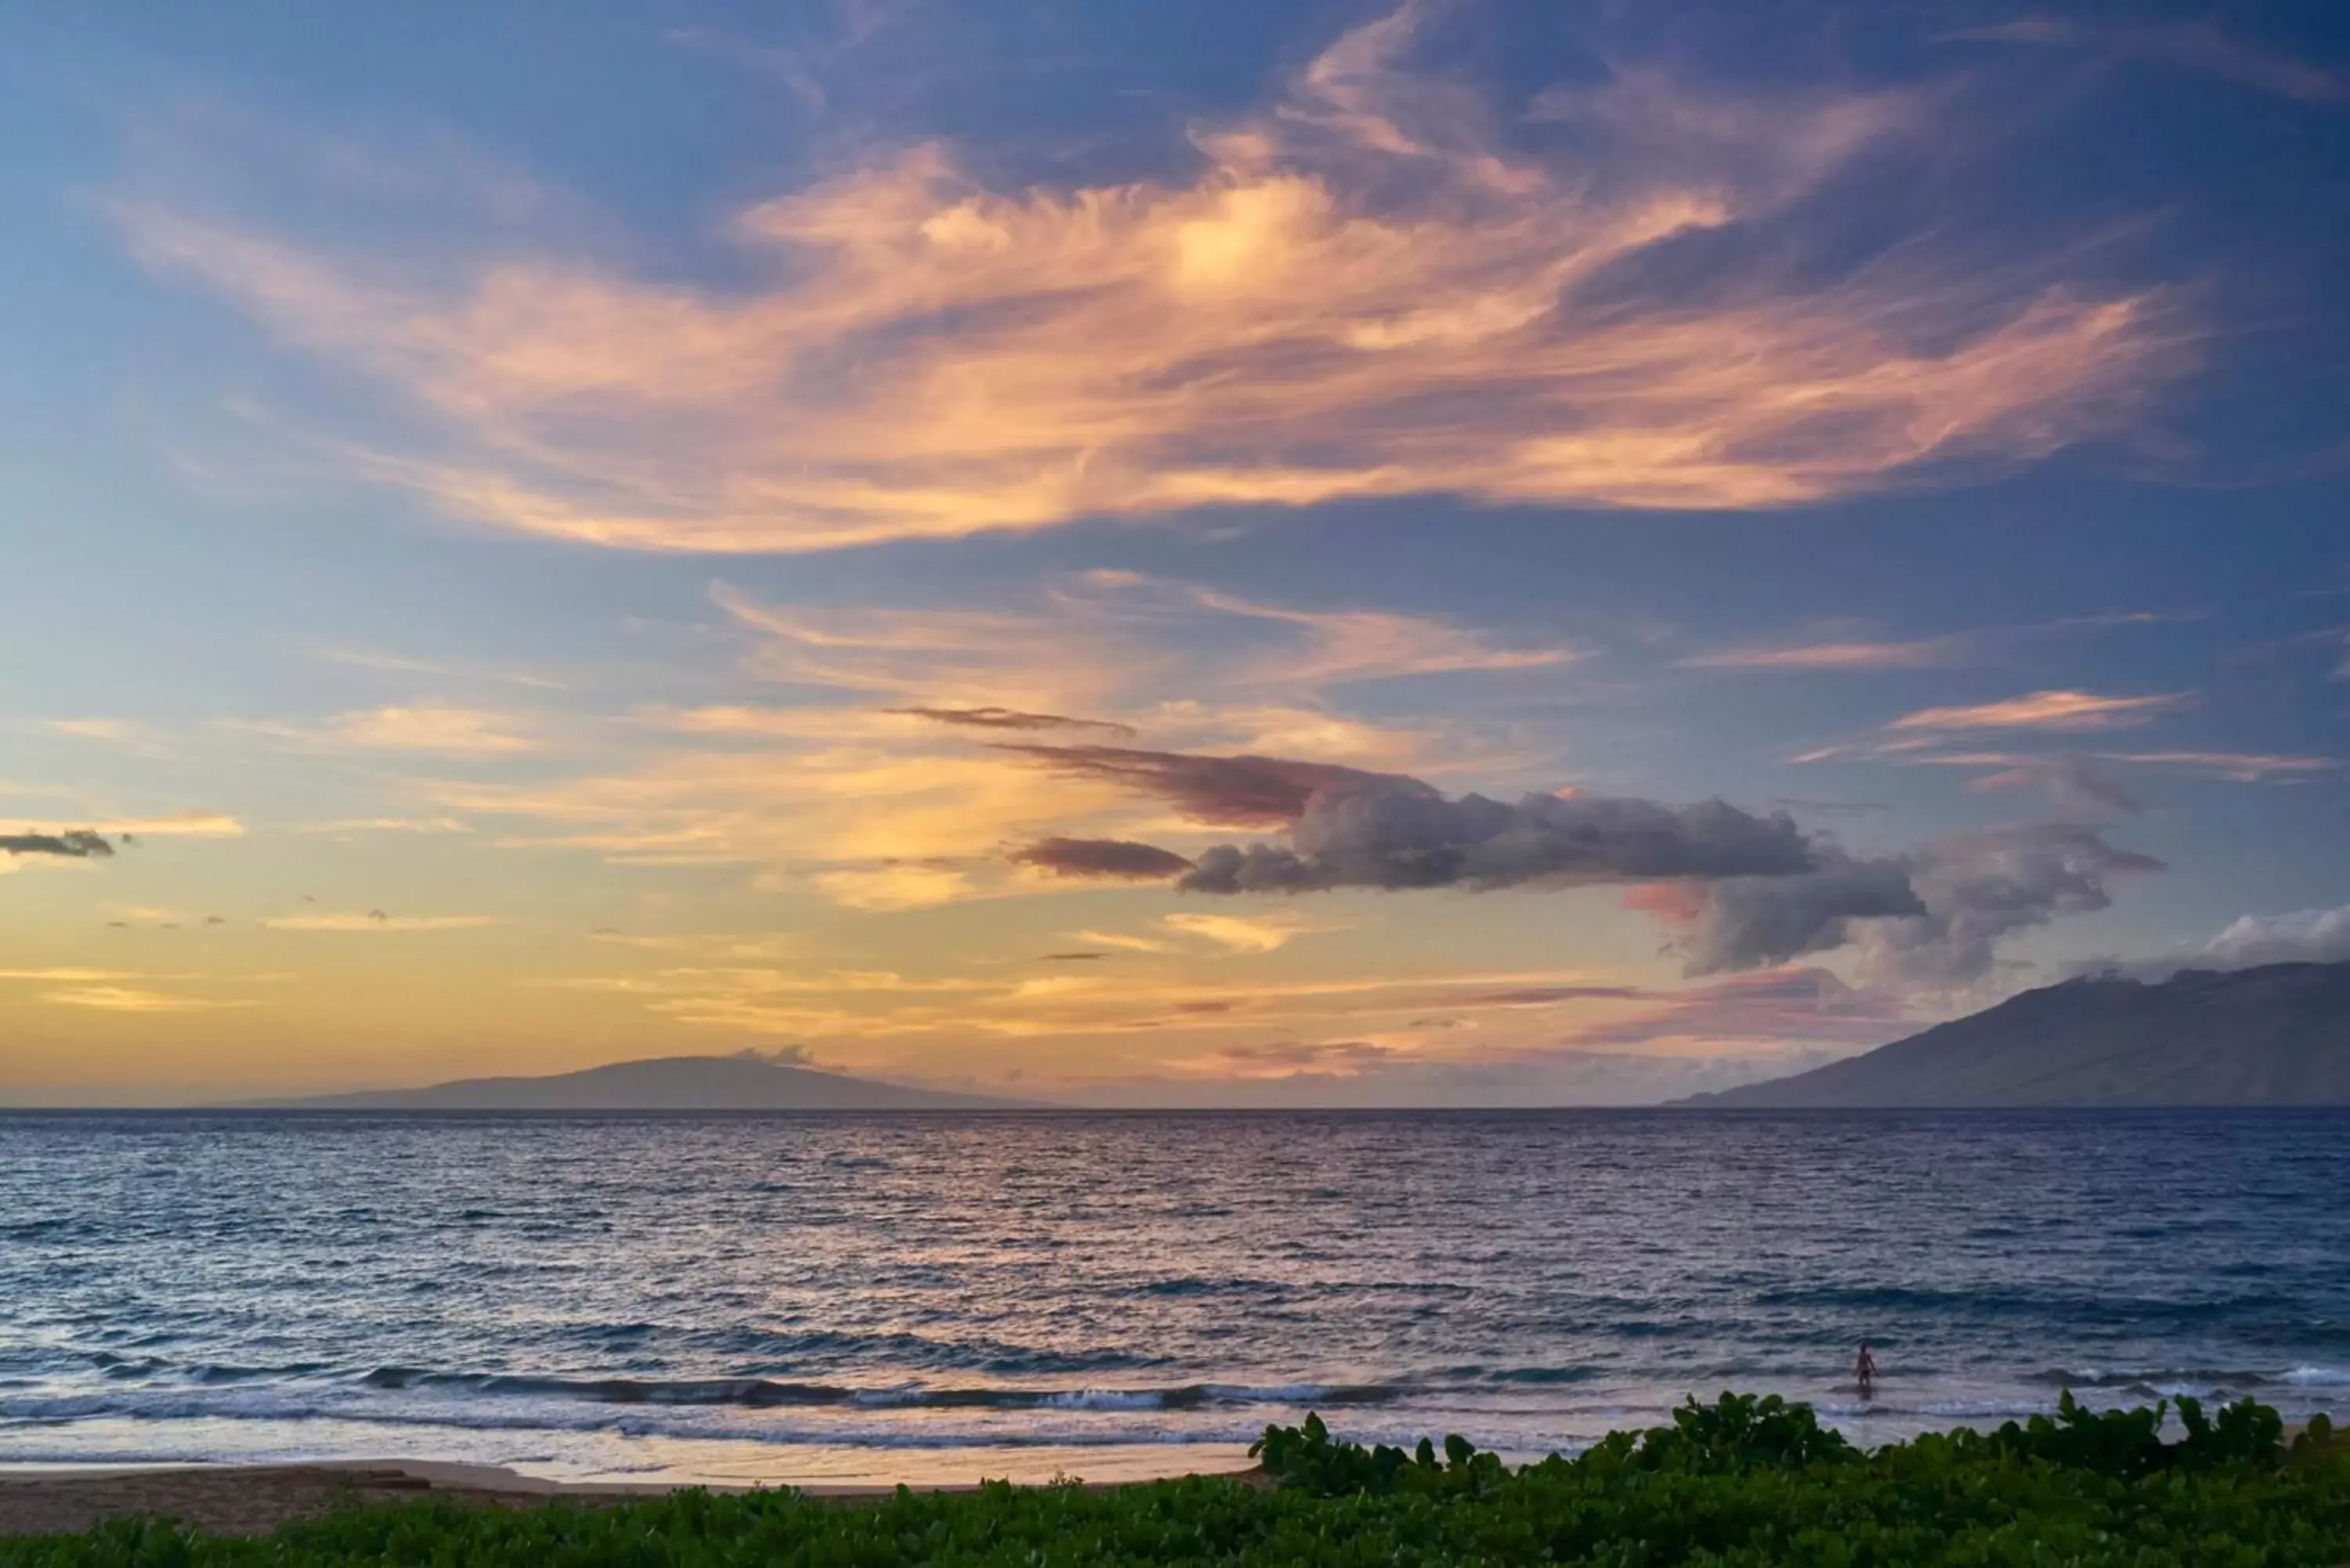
925 1296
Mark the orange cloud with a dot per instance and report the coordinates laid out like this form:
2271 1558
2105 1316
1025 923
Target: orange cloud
1244 933
1362 293
886 887
1101 640
1126 943
123 999
376 921
66 976
2045 710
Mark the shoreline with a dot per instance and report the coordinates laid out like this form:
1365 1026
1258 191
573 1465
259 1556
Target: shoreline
236 1499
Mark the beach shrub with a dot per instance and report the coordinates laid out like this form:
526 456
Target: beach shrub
1308 1458
1742 1432
1741 1483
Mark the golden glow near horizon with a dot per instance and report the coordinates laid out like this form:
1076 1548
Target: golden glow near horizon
1028 610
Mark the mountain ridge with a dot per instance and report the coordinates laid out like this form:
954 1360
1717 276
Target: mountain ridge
2277 1035
739 1083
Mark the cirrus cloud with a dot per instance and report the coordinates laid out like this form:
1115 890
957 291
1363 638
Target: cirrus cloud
376 921
2052 710
421 727
129 999
1381 285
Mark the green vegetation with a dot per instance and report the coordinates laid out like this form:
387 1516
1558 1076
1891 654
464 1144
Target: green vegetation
1745 1480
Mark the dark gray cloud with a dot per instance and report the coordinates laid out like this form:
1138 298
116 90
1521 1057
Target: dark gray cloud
1230 792
80 844
1750 890
1351 829
1927 921
1414 837
1071 958
1011 719
1751 922
1112 857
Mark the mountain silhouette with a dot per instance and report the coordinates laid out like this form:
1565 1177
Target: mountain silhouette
2275 1035
745 1083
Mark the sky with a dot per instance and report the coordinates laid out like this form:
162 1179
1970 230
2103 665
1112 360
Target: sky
1222 555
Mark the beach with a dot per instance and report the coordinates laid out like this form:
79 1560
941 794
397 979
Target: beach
253 1499
1741 1473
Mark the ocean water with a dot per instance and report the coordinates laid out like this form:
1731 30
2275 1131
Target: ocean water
938 1297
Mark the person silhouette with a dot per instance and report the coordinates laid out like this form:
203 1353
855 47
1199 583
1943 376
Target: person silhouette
1863 1371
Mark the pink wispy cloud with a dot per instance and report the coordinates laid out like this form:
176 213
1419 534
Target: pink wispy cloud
1951 648
1923 653
1364 290
2052 709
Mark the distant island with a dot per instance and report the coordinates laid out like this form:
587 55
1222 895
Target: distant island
2275 1035
744 1083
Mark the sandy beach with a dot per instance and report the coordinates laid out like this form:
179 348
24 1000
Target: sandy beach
252 1500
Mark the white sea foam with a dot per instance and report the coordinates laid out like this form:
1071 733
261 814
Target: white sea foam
2317 1377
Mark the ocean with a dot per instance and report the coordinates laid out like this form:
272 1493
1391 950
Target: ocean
939 1297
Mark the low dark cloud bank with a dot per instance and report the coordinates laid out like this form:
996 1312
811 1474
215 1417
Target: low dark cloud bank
1387 839
1747 891
1350 829
1113 857
78 845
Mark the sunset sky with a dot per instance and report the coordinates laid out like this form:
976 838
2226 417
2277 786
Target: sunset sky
1219 553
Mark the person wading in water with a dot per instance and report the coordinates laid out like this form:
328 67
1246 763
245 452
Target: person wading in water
1864 1372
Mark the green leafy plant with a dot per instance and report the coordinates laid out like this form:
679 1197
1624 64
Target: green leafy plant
1742 1482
